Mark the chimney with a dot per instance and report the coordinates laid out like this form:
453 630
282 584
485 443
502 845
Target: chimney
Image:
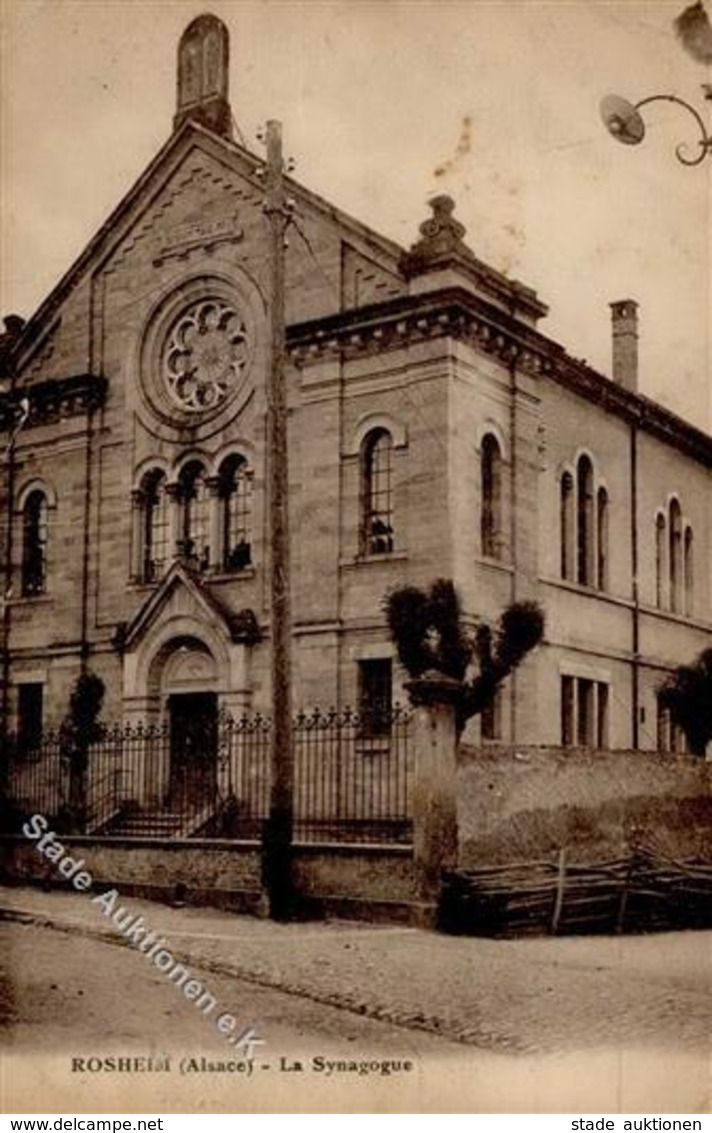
624 320
203 76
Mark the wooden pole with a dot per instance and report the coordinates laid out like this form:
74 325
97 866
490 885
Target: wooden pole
277 843
560 884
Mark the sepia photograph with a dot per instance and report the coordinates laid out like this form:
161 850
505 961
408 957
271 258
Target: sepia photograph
356 558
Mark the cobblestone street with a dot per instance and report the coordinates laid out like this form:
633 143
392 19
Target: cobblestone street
611 1024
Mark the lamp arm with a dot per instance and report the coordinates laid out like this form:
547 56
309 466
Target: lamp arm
705 141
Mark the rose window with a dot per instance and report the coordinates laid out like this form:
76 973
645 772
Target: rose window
204 356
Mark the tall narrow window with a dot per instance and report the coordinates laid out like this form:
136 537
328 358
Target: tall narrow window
34 544
566 521
675 557
491 488
377 520
29 716
155 525
584 522
678 739
671 738
491 718
660 561
195 520
689 571
584 712
663 727
601 715
602 539
585 731
235 492
568 711
375 692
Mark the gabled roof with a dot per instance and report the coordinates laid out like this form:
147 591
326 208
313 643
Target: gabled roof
240 626
113 230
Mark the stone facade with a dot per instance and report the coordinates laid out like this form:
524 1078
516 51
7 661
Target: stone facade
150 359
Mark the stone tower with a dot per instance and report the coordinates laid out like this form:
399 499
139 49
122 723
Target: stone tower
203 75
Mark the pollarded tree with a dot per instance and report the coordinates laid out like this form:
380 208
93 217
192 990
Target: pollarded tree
429 634
687 695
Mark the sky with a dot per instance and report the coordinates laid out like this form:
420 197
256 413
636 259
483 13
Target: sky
385 103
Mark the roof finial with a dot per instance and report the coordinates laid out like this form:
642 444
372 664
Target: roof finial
440 234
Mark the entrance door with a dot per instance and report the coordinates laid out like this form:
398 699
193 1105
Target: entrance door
194 742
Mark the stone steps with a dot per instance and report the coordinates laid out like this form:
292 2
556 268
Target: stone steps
157 824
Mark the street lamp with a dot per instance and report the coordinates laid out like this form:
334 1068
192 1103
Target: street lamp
624 122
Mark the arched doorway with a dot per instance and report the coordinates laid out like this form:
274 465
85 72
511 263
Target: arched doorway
189 699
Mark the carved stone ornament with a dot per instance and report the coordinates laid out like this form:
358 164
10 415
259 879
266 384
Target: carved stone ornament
204 356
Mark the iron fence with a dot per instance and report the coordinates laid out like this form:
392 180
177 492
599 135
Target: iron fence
352 776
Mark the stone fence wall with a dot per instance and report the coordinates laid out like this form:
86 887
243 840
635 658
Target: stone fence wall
369 882
519 804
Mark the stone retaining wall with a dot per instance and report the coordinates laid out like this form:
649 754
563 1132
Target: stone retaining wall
523 803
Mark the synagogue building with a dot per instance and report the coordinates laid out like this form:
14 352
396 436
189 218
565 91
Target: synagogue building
435 431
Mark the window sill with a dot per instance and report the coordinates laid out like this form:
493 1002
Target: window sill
31 600
694 621
493 563
367 560
230 575
207 575
588 591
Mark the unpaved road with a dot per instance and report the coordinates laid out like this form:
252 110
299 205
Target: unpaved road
66 998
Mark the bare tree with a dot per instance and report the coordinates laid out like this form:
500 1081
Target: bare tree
428 631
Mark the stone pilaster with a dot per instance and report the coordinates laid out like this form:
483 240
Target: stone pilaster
216 535
175 513
137 534
435 789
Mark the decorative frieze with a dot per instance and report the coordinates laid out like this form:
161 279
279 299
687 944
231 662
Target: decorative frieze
395 329
51 401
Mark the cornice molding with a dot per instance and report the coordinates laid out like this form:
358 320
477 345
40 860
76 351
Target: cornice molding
50 401
445 313
456 314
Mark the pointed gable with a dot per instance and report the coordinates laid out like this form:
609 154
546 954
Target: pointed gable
201 194
182 593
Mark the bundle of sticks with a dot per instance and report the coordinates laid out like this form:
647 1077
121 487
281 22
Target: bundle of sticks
643 891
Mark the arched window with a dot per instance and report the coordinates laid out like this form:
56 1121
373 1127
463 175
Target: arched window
491 488
676 565
195 515
34 543
566 520
584 522
377 493
154 533
602 539
689 571
660 561
235 494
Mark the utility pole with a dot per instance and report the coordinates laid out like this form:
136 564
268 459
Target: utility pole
277 839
